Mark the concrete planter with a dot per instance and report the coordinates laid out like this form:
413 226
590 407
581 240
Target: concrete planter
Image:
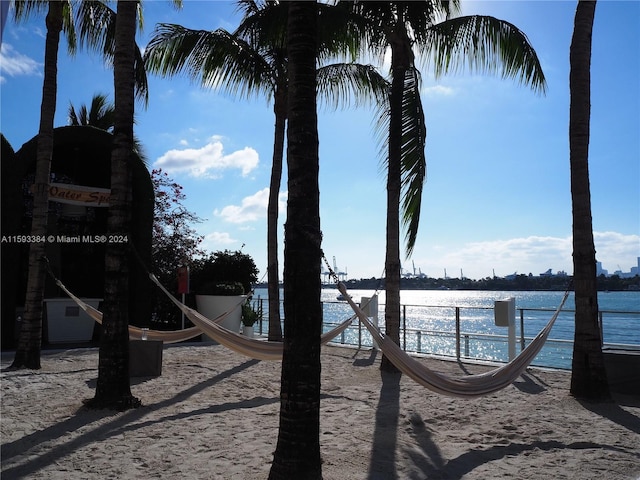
67 322
212 306
247 331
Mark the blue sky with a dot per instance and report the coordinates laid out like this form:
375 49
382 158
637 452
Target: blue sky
497 196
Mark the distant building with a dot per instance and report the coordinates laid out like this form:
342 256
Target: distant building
600 270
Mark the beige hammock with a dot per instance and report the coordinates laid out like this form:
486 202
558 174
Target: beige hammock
251 347
135 333
469 386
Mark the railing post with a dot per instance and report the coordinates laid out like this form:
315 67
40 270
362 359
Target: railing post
419 341
404 326
261 315
522 342
458 333
359 335
601 328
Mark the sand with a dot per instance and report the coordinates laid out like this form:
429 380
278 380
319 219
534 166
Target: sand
213 414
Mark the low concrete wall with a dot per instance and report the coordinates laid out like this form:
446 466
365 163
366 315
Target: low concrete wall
623 370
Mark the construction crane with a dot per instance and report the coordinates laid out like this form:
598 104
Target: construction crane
341 275
325 273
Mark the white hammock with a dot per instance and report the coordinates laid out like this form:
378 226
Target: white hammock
254 348
469 386
135 333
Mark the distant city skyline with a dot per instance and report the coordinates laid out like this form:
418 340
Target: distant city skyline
417 272
633 271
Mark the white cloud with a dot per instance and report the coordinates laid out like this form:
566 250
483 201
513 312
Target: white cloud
251 209
209 160
438 90
15 64
217 240
615 249
526 255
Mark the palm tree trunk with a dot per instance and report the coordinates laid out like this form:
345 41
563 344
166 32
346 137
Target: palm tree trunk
401 60
273 277
392 258
113 388
30 339
588 375
297 453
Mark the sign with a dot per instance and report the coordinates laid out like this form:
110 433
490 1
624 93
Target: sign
183 279
79 195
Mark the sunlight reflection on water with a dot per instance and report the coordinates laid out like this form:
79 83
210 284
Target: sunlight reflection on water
429 317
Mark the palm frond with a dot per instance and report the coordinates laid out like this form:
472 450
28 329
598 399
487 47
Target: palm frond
68 27
413 168
101 114
96 27
264 24
339 83
73 117
216 58
413 165
484 44
23 10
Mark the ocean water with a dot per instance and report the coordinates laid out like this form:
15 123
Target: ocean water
428 321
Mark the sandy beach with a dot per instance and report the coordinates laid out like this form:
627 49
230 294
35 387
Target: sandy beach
213 414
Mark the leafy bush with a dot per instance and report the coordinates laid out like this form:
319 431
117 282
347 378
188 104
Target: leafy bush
223 267
221 288
249 315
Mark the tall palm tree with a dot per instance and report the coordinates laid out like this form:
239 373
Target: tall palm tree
253 61
297 453
113 388
222 57
58 19
588 374
479 42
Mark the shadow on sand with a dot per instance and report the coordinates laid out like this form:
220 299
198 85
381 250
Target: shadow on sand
426 458
119 425
382 462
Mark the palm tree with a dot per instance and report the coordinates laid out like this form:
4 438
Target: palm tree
100 114
58 18
113 389
482 43
588 374
253 61
245 69
297 453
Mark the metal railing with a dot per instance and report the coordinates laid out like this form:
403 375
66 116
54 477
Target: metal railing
461 342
